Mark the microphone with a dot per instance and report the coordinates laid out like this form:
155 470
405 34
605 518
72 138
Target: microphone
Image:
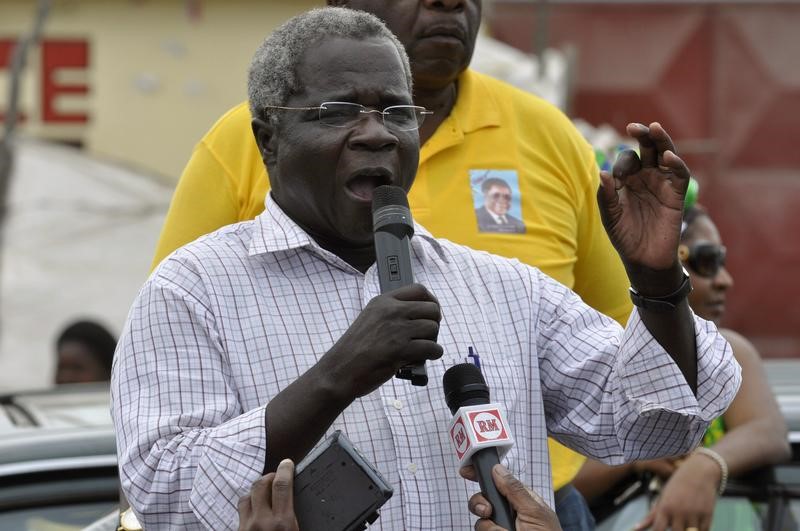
479 433
393 227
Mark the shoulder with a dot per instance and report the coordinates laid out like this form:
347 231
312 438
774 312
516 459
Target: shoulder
237 117
511 98
743 349
209 255
231 133
537 126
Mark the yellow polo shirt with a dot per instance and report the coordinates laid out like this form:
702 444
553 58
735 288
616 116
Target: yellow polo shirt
495 131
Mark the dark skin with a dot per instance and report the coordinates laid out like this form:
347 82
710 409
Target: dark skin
755 428
439 37
316 173
76 364
318 176
340 162
270 504
400 328
641 204
533 514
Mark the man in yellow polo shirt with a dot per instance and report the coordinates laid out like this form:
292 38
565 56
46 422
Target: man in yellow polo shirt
481 130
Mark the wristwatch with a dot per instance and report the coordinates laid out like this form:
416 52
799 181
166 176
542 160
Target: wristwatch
128 521
664 304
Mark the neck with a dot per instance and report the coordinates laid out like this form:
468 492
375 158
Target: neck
360 257
439 100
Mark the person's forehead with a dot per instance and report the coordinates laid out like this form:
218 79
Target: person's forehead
704 230
498 186
336 64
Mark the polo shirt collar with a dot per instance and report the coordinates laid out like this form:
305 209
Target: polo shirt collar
476 108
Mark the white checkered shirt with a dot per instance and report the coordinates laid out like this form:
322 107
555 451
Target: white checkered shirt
228 321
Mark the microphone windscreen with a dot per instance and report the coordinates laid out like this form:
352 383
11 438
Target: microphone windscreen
464 385
387 195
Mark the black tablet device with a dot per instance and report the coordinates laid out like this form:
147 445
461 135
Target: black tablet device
337 489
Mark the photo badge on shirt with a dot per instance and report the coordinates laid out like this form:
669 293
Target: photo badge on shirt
497 201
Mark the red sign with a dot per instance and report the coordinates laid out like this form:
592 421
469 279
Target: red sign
55 55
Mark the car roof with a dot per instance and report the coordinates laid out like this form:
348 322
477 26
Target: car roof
63 428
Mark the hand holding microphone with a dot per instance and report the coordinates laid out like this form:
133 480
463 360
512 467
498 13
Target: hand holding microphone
396 332
479 433
533 514
481 436
393 227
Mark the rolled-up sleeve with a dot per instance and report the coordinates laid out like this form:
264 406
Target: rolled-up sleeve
187 450
615 394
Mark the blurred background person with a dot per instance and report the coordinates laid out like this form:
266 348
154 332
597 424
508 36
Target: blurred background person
752 432
84 351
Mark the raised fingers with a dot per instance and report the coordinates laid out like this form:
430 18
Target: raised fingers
673 163
653 142
627 163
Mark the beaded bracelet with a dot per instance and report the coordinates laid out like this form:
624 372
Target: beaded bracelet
723 466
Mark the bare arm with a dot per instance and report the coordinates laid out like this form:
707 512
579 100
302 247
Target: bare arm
755 436
756 430
595 478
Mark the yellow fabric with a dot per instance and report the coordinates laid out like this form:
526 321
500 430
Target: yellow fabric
493 126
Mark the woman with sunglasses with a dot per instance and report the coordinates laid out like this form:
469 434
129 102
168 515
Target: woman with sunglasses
751 434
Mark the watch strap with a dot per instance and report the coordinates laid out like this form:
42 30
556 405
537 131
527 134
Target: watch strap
663 304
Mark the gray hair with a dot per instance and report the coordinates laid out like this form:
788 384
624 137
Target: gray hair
272 78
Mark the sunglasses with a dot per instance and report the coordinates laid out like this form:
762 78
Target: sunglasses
498 195
705 259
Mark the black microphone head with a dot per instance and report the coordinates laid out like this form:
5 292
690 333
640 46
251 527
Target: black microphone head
387 195
464 386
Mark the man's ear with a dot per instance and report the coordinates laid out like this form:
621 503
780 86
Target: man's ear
264 132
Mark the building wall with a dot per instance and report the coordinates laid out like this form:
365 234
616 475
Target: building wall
159 72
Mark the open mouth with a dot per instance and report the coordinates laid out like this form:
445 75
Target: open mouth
362 183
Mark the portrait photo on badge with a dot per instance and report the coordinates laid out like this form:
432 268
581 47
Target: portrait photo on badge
496 198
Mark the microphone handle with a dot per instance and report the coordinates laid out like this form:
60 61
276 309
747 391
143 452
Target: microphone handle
393 257
502 514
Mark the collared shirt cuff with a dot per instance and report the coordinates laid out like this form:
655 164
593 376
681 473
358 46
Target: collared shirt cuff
653 383
234 459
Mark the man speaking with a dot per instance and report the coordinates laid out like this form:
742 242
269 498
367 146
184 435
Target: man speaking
248 345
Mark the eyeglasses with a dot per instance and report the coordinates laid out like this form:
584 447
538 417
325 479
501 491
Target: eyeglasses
498 195
344 114
705 259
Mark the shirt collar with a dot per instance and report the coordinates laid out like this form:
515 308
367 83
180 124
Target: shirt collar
276 231
476 107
